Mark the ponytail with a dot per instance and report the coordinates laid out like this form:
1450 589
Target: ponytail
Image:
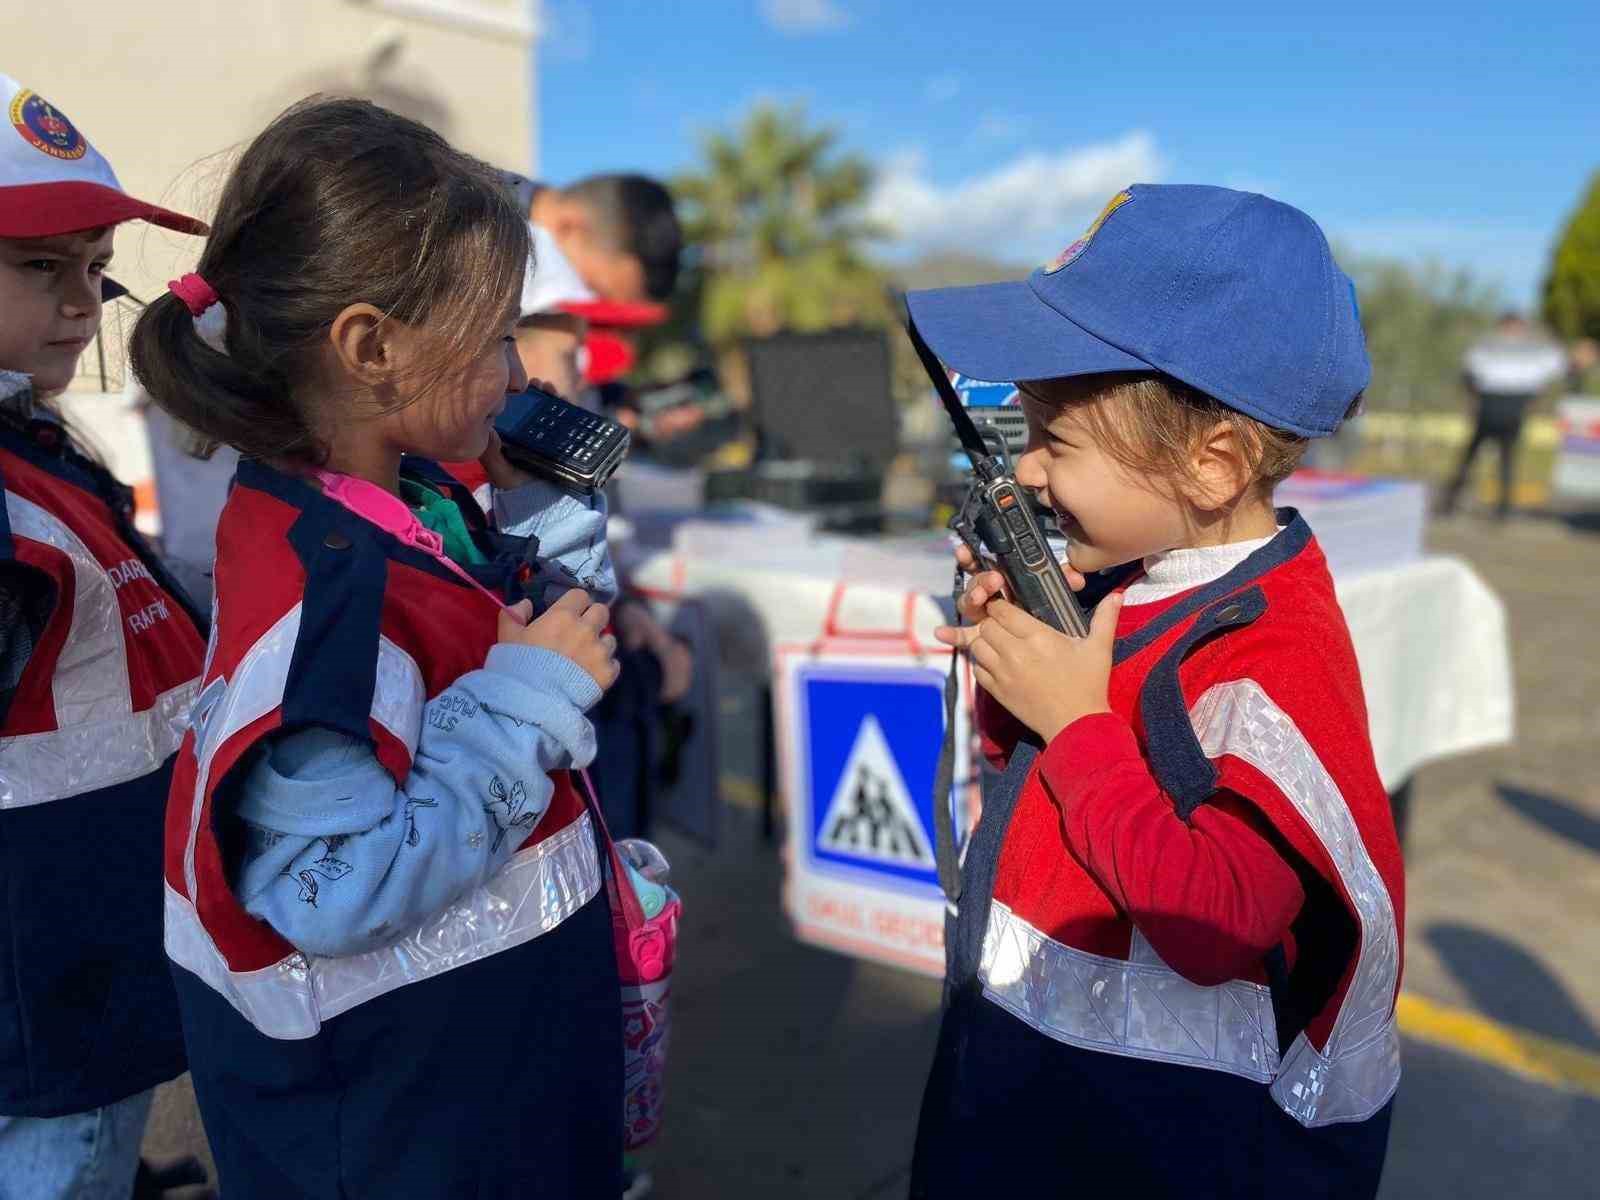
336 202
220 395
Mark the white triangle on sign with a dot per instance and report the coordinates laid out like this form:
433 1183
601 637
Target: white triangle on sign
872 815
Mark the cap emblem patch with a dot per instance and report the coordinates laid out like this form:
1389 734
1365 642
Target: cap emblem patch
1068 256
46 128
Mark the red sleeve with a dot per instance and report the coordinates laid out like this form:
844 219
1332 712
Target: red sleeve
998 731
1211 895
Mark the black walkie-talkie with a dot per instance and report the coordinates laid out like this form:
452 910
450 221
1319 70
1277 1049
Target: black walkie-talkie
996 521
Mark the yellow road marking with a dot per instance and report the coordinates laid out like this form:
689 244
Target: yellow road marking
1517 1050
742 793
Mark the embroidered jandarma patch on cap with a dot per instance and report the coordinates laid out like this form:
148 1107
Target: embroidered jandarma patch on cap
1068 256
45 128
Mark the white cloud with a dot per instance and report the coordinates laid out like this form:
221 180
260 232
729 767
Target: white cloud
1029 207
998 127
804 16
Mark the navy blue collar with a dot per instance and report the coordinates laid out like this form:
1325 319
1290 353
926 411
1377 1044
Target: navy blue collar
63 460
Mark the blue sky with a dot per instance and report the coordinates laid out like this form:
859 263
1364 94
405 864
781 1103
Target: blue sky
1462 132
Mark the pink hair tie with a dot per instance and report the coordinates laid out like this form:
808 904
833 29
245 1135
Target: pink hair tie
196 294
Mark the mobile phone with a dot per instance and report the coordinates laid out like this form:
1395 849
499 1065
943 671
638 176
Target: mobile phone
571 446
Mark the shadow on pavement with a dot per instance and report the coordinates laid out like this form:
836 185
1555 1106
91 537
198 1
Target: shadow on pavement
1468 1131
794 1072
1558 816
1508 984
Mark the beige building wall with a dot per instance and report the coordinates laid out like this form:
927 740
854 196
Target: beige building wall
168 90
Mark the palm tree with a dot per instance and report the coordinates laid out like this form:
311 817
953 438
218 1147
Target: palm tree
776 216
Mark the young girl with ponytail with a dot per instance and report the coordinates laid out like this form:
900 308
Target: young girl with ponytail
385 904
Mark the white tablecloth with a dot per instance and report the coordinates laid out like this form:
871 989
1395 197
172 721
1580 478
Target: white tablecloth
1429 634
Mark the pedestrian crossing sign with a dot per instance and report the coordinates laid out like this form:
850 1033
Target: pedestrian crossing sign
872 814
868 737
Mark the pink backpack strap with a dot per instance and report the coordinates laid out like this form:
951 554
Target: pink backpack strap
392 515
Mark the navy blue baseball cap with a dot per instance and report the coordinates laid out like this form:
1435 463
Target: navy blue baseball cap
1231 292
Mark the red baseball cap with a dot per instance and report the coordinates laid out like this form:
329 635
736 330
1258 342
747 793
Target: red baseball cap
52 181
619 314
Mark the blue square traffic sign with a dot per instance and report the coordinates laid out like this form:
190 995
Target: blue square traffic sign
868 738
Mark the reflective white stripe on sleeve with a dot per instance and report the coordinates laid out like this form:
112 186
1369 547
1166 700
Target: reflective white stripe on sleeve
99 740
1357 1072
40 767
90 683
257 687
535 891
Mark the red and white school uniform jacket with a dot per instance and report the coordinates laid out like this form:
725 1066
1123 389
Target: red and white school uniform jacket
87 1012
1176 953
480 1054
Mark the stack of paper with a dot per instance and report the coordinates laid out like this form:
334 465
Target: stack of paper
1362 523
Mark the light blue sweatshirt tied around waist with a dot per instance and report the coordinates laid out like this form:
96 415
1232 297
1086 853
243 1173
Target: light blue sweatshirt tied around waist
339 860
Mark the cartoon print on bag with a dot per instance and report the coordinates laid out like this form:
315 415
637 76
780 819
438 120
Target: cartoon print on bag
413 838
507 809
328 866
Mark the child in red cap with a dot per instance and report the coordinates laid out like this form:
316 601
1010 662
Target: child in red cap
99 658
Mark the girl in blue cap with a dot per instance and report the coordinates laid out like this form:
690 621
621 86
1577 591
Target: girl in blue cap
1175 959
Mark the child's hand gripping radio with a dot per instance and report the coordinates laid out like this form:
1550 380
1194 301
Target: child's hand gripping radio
997 523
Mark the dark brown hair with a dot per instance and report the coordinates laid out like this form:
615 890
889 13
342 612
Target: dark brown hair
336 202
1151 424
635 215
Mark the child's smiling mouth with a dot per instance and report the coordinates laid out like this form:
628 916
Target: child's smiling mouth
1065 521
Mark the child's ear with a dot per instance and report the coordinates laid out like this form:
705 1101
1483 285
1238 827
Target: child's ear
365 343
1219 468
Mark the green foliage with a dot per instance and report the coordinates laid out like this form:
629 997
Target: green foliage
1419 321
775 215
1572 289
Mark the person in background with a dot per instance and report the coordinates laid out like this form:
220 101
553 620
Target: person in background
100 657
607 250
1585 356
553 324
1505 372
657 668
623 229
620 232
